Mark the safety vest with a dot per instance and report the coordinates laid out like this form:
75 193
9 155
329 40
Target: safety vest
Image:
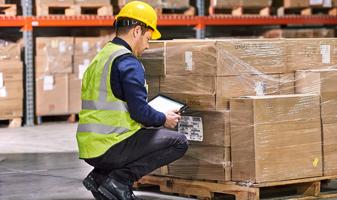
104 119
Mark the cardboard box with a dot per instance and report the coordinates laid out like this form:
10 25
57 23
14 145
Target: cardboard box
9 50
287 83
11 70
187 84
295 3
81 63
251 56
153 86
11 108
275 138
244 85
54 55
191 57
215 127
161 3
52 94
11 90
314 53
238 3
153 59
323 83
330 149
203 163
75 103
194 101
88 46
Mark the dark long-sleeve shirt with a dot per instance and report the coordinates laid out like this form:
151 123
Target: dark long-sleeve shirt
128 84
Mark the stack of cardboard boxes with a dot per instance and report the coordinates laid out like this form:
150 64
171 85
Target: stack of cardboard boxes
11 80
254 136
60 64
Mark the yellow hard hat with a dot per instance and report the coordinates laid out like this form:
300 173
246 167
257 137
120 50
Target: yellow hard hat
142 12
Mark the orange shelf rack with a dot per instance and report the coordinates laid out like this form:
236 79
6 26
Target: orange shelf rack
198 21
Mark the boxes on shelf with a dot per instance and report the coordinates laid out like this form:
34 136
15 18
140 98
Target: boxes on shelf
265 133
74 100
54 55
52 94
239 3
170 4
300 33
9 50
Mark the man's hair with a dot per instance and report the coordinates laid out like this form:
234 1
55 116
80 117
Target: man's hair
123 25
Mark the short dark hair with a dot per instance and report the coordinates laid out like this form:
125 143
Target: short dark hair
123 25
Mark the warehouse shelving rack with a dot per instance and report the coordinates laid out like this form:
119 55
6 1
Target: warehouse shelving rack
200 22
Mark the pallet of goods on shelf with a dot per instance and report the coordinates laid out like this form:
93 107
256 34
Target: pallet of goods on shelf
238 8
300 33
253 103
11 82
7 9
305 7
167 7
73 7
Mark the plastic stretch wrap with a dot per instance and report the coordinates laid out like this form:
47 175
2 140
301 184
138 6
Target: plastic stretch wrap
280 97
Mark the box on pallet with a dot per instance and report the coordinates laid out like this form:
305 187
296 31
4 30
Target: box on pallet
275 138
323 83
54 55
9 50
52 94
314 53
74 95
11 108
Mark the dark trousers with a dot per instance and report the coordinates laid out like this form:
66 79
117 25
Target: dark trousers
140 154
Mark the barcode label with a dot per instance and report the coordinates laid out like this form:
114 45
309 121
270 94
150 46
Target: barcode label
191 127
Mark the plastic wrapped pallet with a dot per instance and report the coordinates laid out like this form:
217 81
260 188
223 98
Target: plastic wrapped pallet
323 83
9 50
300 33
275 138
54 55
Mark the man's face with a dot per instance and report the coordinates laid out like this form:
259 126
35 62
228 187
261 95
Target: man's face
141 40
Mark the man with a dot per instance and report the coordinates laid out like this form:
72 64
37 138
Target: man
111 134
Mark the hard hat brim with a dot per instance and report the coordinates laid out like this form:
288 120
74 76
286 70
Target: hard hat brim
156 34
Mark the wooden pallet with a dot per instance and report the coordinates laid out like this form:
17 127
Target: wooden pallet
306 11
14 122
8 9
190 11
74 10
239 11
309 188
71 118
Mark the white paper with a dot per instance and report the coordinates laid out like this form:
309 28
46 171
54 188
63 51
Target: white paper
259 88
327 3
62 47
325 51
3 92
316 2
82 68
191 127
48 83
85 47
188 61
164 105
1 80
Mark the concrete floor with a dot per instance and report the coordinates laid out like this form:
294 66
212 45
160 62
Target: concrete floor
41 163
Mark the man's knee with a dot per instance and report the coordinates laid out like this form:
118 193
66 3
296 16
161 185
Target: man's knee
183 143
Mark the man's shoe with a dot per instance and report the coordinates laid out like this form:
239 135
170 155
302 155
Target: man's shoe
90 184
112 188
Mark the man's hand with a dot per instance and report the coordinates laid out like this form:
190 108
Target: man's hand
172 119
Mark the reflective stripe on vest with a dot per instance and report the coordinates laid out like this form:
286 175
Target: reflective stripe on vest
101 129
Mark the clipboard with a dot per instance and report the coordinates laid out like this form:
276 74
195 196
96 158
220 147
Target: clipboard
164 103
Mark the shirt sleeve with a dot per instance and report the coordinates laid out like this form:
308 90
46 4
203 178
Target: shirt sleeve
132 82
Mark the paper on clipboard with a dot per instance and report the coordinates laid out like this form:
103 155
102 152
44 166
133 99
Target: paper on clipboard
164 104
